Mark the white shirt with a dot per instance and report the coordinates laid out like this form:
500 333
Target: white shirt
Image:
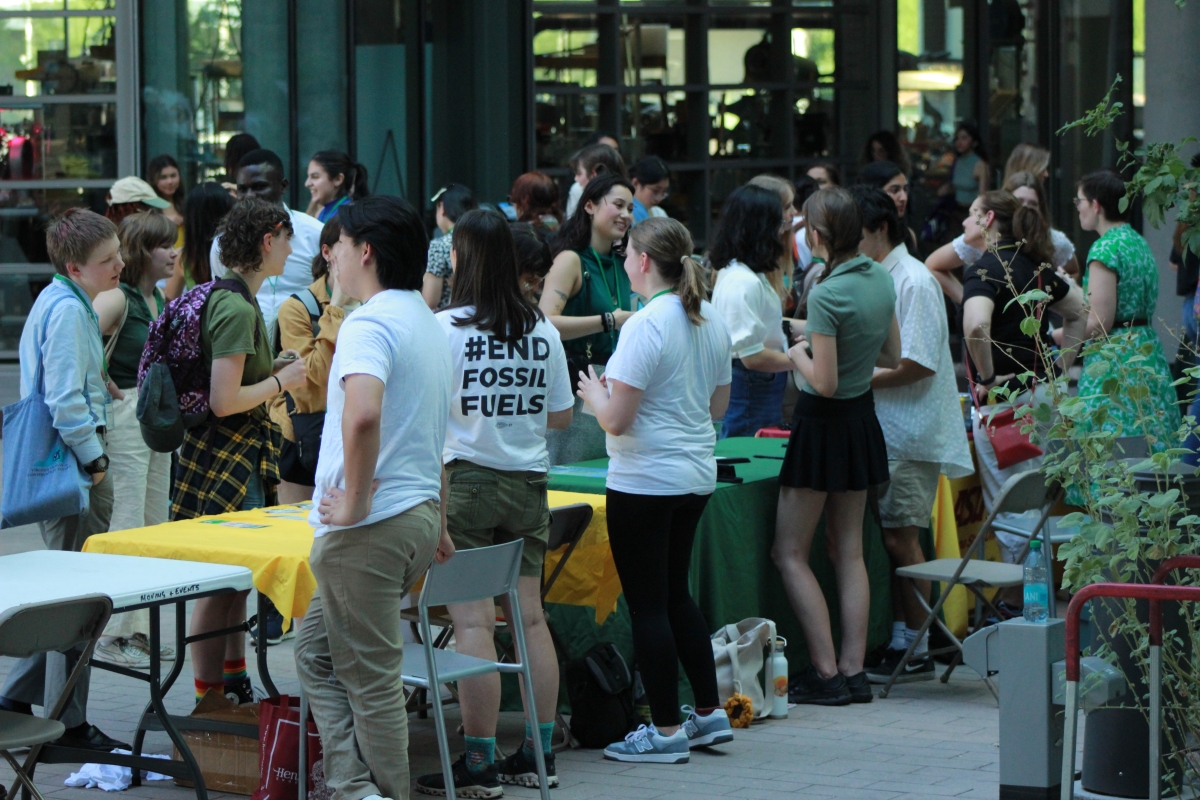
923 421
1063 249
573 196
502 394
750 309
297 271
394 337
669 448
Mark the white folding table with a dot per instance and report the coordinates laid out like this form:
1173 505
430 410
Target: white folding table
132 582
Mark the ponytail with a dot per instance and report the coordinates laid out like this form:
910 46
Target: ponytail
360 186
669 245
1015 220
354 175
836 218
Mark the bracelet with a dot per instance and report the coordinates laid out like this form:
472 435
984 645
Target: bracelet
612 321
606 322
277 383
983 382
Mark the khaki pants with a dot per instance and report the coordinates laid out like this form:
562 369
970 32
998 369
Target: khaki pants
349 649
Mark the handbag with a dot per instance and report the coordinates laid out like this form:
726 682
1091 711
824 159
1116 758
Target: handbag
298 459
42 479
739 652
279 752
600 689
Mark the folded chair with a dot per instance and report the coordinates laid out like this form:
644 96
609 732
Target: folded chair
1026 491
567 526
478 574
27 630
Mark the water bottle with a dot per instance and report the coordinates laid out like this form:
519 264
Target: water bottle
1037 594
779 667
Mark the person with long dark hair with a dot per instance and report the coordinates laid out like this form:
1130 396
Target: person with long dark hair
665 384
162 173
533 257
496 468
534 196
746 249
207 204
884 146
889 176
587 298
836 451
334 179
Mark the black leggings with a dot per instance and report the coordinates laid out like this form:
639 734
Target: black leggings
651 539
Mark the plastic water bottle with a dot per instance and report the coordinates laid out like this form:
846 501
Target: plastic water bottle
779 667
1037 599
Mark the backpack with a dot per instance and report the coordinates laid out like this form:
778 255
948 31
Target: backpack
600 689
298 459
173 374
314 316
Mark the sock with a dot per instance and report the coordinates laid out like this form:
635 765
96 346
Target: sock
546 731
202 688
898 642
922 647
481 752
235 671
704 712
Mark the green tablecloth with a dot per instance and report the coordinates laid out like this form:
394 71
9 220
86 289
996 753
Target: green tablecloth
733 576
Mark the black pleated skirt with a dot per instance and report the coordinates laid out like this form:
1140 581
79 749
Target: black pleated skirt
836 445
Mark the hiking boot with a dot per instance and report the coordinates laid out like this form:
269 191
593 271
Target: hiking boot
520 769
918 668
646 745
860 688
809 688
480 786
705 731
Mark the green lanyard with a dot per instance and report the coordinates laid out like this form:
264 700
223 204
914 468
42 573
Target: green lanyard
664 291
83 298
613 290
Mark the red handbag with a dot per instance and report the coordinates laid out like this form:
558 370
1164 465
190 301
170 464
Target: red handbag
1008 443
279 752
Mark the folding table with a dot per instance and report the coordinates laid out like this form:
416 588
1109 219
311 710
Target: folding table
132 583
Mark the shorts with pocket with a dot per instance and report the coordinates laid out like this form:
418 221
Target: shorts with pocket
490 506
907 499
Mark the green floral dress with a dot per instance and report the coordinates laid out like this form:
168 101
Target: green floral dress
1125 252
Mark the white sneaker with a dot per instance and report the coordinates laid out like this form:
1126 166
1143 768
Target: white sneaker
142 642
647 745
121 652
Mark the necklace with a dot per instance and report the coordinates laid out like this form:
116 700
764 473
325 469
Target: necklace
612 290
664 291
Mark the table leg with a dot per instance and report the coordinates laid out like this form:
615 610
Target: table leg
139 738
260 649
156 699
302 773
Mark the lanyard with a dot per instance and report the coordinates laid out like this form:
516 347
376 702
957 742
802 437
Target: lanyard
87 304
664 291
612 291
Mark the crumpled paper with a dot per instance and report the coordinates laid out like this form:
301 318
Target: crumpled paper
112 778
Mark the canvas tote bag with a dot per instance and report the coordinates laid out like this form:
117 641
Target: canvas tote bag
739 651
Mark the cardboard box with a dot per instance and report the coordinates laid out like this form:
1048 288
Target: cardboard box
229 763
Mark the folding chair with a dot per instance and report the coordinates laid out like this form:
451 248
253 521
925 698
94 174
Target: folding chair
478 574
567 526
1020 493
27 630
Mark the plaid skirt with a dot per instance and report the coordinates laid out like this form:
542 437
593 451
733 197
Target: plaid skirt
217 460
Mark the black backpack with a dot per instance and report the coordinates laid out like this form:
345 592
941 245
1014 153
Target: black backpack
298 459
601 692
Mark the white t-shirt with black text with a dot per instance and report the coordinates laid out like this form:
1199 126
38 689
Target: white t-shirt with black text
394 337
669 448
502 393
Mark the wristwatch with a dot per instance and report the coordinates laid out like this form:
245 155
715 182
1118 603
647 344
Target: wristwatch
97 466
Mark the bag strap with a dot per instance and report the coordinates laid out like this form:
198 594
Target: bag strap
314 309
112 340
231 285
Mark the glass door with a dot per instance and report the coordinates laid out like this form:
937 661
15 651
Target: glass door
66 75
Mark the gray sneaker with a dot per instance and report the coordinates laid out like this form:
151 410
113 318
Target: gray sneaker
647 745
707 730
142 642
122 653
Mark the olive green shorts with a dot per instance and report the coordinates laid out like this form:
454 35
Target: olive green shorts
490 506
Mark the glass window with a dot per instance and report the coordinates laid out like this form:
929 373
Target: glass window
215 77
57 55
739 50
59 140
655 124
565 50
562 123
653 51
741 121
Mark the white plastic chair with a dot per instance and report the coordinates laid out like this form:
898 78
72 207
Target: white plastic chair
478 574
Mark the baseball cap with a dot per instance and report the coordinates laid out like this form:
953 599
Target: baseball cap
135 190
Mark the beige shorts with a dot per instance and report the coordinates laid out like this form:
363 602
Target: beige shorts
908 498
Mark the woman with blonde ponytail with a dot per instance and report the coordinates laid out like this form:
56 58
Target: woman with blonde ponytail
664 385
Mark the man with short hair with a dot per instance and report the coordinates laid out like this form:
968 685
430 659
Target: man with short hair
918 408
61 347
378 518
260 174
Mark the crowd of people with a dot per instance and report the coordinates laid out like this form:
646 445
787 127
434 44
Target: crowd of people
418 393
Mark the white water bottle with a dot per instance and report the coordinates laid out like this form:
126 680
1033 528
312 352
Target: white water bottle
779 667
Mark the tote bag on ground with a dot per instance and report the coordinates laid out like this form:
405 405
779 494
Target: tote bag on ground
740 654
279 752
41 480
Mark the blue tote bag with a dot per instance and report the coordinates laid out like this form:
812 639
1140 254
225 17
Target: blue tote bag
41 480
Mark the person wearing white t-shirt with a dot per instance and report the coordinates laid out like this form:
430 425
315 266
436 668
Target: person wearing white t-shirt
260 174
919 411
663 387
747 247
376 510
510 385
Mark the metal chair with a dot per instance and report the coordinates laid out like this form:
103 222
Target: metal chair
476 574
56 626
1020 493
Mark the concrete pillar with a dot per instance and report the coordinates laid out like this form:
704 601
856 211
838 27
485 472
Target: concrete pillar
1172 113
321 72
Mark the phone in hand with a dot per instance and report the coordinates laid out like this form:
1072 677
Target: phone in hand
787 334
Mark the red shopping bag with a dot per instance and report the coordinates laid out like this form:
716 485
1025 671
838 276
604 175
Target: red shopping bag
1010 445
279 752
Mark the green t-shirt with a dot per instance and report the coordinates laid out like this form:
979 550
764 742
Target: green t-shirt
123 363
228 329
855 303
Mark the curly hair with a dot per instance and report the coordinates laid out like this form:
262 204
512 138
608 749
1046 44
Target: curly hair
243 229
748 230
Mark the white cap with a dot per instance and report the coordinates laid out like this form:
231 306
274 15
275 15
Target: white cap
135 190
